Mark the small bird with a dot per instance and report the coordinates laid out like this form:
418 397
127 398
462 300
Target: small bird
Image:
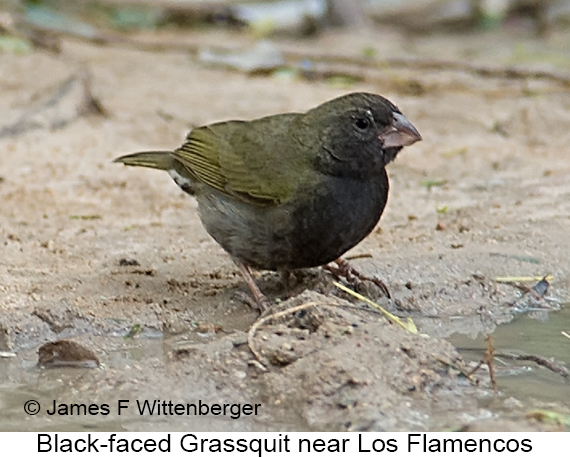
293 190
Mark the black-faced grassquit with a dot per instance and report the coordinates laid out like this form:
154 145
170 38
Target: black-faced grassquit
294 190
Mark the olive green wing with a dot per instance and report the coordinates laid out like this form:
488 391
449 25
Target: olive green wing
247 160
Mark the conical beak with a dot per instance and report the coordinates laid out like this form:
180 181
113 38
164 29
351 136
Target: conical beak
400 133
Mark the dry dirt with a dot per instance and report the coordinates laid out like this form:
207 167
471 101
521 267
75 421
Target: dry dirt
89 249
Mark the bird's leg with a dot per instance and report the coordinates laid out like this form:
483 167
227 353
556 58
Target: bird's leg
285 276
261 301
345 270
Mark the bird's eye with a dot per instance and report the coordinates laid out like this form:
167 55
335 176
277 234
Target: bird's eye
362 123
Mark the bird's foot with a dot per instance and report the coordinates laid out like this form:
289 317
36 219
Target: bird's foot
343 269
260 301
252 302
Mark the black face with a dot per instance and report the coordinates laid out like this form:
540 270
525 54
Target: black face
350 130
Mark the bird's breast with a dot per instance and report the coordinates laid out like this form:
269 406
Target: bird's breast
316 226
338 218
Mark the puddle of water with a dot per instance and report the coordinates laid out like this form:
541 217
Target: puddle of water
525 380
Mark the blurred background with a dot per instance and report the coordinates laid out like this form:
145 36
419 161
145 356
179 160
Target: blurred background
30 23
293 17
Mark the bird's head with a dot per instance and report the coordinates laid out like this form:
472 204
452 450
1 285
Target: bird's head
359 133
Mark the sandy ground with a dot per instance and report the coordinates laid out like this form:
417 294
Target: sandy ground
70 218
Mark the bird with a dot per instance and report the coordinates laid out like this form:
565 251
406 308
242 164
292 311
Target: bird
293 190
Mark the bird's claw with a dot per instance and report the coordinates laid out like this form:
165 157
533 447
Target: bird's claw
344 269
259 304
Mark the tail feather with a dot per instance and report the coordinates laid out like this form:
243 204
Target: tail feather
161 160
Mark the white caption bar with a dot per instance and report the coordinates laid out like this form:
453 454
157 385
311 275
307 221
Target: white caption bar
280 444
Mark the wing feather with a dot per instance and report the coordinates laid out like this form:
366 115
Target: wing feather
238 161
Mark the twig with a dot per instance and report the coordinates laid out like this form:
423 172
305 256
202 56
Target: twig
511 279
538 291
466 374
527 290
263 320
474 370
489 358
407 325
542 361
